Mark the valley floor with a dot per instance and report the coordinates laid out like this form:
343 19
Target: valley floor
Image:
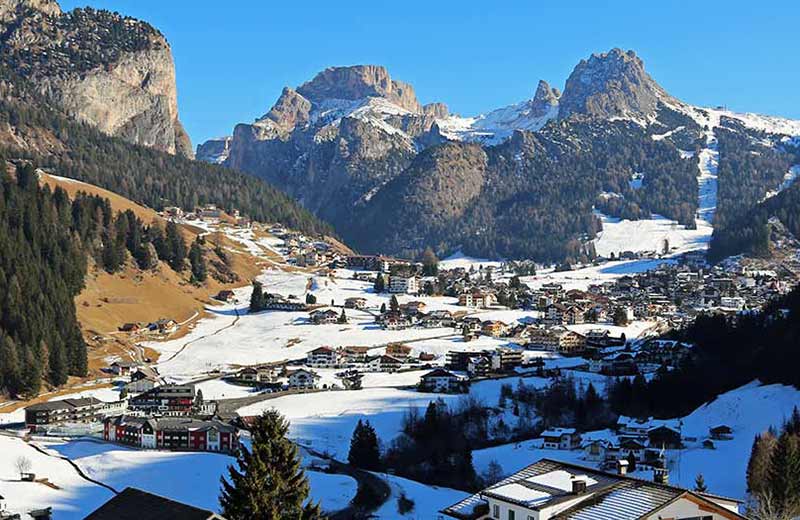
323 421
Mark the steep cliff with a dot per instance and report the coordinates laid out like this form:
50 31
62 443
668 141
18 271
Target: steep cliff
113 72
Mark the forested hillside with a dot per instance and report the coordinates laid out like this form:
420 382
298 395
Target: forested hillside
152 178
42 266
750 166
730 351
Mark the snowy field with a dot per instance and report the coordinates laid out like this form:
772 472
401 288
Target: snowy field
196 477
649 235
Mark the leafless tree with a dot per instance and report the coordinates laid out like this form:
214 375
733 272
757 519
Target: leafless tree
23 465
764 506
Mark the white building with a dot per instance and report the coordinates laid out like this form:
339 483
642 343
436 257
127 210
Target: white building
550 489
404 285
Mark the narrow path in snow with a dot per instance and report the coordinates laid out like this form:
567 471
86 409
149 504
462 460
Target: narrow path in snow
369 484
72 463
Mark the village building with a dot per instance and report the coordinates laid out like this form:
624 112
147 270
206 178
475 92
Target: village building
135 504
79 410
142 380
355 302
355 354
169 399
561 439
440 380
398 351
226 295
303 379
123 368
383 363
550 489
555 339
324 317
494 328
324 357
403 284
479 299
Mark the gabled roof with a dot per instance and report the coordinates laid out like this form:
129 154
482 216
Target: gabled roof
608 496
135 504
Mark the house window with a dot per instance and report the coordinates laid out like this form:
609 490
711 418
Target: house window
496 511
511 514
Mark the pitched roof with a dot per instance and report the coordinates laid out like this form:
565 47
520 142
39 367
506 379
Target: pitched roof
135 504
608 496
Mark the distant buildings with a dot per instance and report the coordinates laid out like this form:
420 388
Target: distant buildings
404 284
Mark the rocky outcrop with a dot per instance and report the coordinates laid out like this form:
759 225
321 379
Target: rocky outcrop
11 9
609 85
359 82
214 151
112 72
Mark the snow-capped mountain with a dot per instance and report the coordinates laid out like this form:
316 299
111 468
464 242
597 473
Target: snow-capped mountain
357 147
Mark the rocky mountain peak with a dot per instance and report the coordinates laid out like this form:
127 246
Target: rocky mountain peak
290 110
9 9
436 110
545 94
358 82
611 84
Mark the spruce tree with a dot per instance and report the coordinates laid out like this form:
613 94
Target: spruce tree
364 451
268 482
197 259
175 246
257 297
700 483
784 473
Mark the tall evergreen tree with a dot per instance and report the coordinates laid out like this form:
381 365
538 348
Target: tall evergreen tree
364 451
197 259
268 482
257 297
700 483
784 474
175 247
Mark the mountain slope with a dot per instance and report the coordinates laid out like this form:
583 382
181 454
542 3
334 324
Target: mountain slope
355 146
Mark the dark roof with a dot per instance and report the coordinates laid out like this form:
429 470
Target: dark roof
64 404
135 504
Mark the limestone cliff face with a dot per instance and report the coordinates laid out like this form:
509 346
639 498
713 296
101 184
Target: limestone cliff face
112 72
611 84
358 82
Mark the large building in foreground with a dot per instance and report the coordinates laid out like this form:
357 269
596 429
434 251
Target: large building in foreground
552 490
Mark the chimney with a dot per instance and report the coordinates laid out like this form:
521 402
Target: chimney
622 467
578 484
660 475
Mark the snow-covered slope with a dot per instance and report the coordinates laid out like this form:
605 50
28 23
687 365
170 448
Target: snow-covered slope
497 125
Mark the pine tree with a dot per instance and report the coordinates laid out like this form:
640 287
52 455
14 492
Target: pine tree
784 473
269 483
700 483
257 297
197 259
364 451
380 284
175 246
394 304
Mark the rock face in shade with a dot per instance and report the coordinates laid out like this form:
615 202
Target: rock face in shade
113 72
609 85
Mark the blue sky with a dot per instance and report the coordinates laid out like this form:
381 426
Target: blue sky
233 58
